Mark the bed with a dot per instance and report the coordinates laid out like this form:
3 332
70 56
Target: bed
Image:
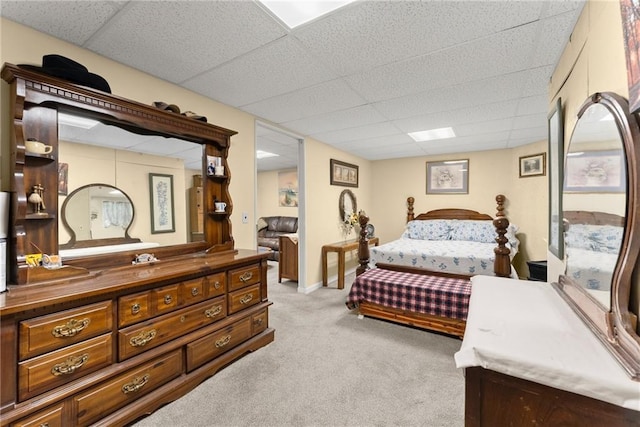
422 278
592 242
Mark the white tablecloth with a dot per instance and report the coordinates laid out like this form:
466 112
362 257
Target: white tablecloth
525 329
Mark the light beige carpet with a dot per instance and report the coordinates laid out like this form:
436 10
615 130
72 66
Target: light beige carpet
327 367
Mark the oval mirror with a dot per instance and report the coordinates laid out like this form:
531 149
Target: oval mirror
97 215
600 215
347 204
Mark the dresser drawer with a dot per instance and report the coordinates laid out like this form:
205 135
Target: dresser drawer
134 308
61 366
152 333
50 417
259 322
207 348
216 284
125 388
46 333
165 299
192 291
243 298
241 277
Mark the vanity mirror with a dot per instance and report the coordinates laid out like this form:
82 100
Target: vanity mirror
600 224
347 204
115 141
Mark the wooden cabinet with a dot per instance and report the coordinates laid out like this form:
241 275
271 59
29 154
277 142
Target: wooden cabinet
196 213
115 346
288 259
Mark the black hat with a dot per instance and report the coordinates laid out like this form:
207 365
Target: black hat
68 69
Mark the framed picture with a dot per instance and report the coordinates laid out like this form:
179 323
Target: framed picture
534 165
449 177
344 174
212 163
556 154
63 176
630 10
288 188
595 172
161 196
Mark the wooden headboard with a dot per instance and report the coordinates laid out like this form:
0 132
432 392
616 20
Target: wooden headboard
453 213
593 218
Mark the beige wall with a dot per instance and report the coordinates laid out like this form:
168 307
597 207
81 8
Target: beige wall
593 61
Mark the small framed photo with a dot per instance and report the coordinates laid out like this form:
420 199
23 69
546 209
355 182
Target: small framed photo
212 163
448 177
343 174
534 165
161 196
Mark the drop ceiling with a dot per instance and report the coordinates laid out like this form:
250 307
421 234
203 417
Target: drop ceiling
358 78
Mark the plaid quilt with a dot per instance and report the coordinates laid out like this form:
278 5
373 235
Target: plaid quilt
439 296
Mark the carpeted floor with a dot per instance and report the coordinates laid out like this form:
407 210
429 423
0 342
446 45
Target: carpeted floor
327 367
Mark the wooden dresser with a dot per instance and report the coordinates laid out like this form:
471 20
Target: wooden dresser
111 346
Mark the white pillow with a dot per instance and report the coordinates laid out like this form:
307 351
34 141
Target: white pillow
433 229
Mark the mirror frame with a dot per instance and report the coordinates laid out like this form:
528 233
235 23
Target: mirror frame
73 243
615 327
36 99
556 155
354 203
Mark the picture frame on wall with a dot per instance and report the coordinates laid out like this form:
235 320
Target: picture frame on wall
596 172
343 174
630 10
533 165
556 160
288 188
63 179
161 199
448 177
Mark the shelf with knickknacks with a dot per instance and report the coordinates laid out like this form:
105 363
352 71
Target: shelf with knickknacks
36 198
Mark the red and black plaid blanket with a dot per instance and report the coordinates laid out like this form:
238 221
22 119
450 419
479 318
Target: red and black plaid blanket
439 296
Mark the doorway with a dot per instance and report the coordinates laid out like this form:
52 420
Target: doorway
280 184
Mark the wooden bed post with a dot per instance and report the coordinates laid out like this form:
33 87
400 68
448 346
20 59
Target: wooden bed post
410 201
363 245
502 263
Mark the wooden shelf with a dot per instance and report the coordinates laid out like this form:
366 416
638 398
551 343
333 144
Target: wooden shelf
40 216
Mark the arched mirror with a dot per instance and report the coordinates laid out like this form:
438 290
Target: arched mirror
96 215
600 215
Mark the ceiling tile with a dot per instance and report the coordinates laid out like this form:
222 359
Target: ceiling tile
283 63
176 40
311 101
361 132
341 119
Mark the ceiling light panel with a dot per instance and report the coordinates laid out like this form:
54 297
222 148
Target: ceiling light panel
296 13
431 134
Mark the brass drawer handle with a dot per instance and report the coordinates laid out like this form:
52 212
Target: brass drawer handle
213 311
70 365
246 276
245 299
71 328
217 285
142 338
194 292
168 299
136 384
258 322
44 425
223 341
135 308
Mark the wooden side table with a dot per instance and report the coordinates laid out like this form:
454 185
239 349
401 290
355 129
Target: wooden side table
341 248
288 260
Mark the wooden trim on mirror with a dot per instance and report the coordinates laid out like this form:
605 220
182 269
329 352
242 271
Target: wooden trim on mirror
615 327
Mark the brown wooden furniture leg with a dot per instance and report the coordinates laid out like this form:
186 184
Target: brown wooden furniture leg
325 281
341 261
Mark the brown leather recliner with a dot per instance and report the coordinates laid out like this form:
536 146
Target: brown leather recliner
276 226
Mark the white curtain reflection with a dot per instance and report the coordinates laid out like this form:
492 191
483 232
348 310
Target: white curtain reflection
116 214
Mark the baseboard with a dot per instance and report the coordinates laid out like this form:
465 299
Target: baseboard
330 279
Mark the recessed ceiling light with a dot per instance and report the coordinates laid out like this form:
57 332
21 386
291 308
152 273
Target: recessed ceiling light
431 134
264 154
297 12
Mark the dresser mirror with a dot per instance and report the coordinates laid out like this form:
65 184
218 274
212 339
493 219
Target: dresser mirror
96 152
600 215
